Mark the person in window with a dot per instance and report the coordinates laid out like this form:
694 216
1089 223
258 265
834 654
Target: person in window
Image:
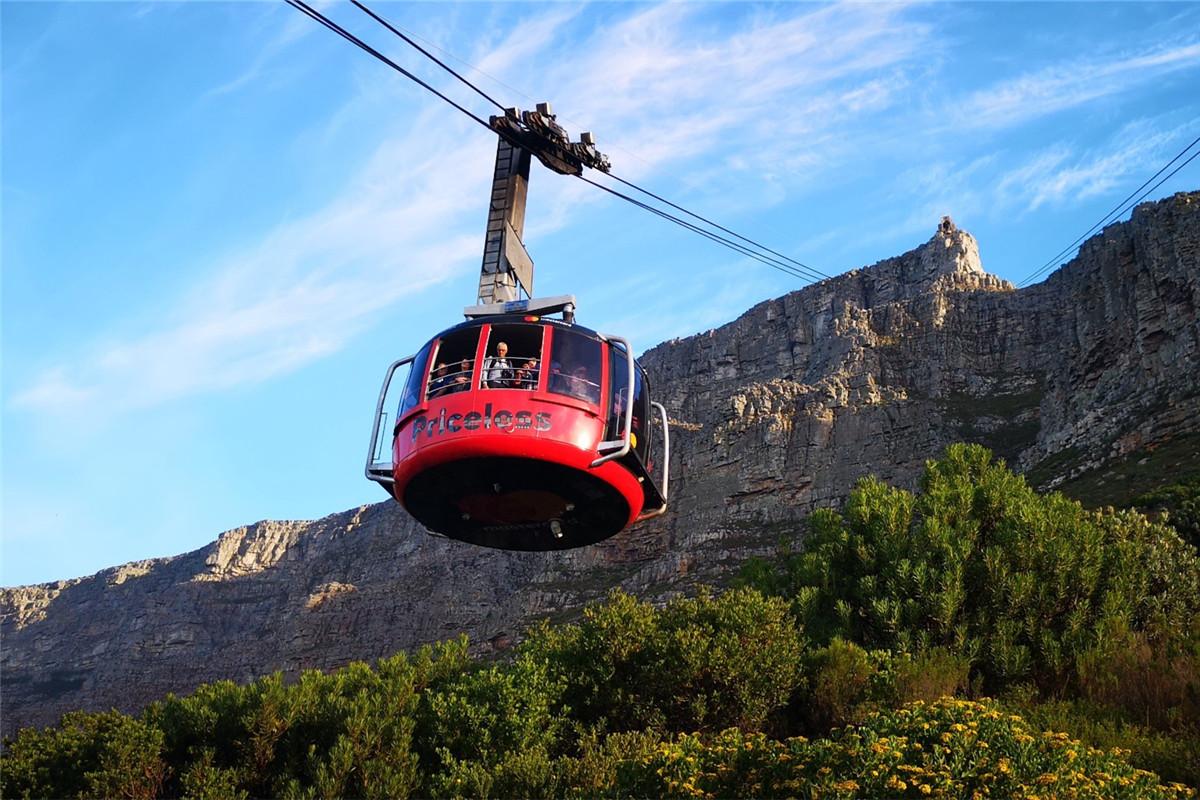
527 375
459 381
558 381
497 372
616 415
580 385
440 381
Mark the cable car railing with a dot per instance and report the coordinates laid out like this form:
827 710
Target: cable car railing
378 470
518 372
623 444
444 381
666 463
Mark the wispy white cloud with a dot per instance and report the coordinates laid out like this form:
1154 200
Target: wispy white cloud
1064 86
305 290
1059 174
1007 184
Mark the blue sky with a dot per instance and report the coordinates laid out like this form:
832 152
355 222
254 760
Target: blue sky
221 222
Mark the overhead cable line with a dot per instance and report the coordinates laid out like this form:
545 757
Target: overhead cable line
719 227
721 240
818 274
765 259
1120 209
428 54
350 37
499 82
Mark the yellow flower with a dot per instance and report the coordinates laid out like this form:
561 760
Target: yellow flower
926 788
846 786
897 784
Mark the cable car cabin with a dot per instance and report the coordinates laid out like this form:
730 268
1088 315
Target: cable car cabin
523 433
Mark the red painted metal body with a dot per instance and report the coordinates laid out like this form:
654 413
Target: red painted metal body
507 423
516 468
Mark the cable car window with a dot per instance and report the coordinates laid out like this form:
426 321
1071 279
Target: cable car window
412 387
618 369
575 365
514 358
451 371
618 372
641 413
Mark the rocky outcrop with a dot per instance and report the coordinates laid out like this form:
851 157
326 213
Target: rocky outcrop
780 411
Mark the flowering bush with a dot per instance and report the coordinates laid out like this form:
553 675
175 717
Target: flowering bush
950 748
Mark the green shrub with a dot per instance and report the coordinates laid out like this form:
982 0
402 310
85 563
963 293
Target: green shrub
488 719
106 754
1021 585
1178 505
844 683
346 733
699 664
607 766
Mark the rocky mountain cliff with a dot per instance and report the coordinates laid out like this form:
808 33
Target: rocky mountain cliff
873 371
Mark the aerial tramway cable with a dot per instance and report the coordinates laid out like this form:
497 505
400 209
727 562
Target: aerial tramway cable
769 257
427 54
817 272
773 263
1120 209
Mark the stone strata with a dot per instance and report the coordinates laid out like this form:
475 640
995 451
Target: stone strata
778 412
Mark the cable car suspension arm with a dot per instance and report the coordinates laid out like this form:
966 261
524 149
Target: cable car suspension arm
507 268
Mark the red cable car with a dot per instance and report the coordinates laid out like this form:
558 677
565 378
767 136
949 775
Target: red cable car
524 433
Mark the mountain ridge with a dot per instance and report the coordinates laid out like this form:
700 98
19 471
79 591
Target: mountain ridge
774 414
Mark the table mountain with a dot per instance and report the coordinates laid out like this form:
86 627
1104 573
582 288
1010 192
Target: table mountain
780 411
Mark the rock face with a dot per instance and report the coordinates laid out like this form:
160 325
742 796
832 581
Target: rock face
873 371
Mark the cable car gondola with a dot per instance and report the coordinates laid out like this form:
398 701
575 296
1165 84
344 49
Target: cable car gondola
523 432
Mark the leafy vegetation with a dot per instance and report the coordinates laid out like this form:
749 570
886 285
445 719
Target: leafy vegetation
1178 505
1119 482
1025 587
854 666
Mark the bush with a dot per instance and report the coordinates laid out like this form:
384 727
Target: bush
347 733
949 749
699 664
1173 756
501 719
845 684
1021 585
107 754
1178 505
